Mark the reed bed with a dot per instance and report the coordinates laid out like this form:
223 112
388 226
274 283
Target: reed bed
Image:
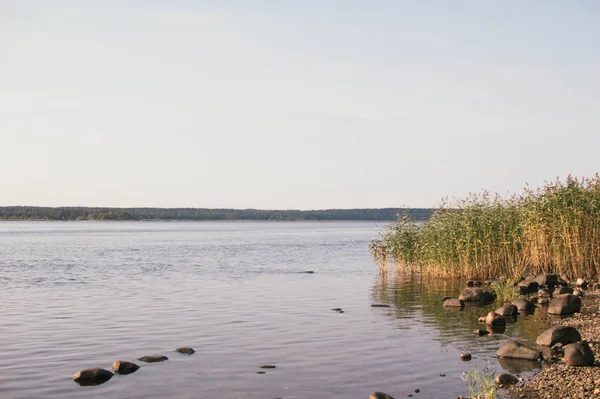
554 228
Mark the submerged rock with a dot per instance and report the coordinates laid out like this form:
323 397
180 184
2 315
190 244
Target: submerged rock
380 305
494 319
516 350
454 303
558 334
565 304
122 367
578 354
477 295
505 379
380 395
186 350
92 376
153 359
481 332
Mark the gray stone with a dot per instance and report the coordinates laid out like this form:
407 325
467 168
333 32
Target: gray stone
380 395
524 305
578 354
494 319
505 379
153 359
476 294
516 350
454 303
122 367
558 334
508 310
92 376
548 280
528 286
565 304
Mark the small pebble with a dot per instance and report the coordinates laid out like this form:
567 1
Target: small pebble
442 375
465 356
267 366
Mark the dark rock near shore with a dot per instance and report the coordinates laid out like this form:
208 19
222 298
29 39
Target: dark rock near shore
153 359
380 305
578 354
473 283
563 290
186 350
508 310
547 280
565 304
122 367
465 357
528 286
476 294
481 332
92 376
380 395
518 365
558 334
494 319
443 299
505 379
515 350
497 329
581 283
578 293
524 305
454 303
308 272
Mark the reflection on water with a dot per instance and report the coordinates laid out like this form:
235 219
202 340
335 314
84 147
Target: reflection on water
79 295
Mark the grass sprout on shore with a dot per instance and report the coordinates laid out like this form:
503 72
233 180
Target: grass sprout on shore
481 383
555 228
506 290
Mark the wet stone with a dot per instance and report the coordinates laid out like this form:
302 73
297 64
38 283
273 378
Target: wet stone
92 376
153 359
186 350
122 367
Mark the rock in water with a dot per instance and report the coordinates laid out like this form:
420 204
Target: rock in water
124 368
186 350
505 379
565 304
454 303
476 295
516 350
380 395
465 356
494 319
380 305
558 334
92 376
524 305
267 366
481 332
578 354
153 359
508 310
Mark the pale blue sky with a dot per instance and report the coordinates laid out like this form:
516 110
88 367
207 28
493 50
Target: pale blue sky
293 104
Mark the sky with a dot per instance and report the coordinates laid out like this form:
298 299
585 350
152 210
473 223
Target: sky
293 104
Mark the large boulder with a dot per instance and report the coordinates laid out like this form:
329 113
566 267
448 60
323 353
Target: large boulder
516 350
92 376
564 304
548 279
494 319
475 294
508 310
578 354
558 334
124 368
523 305
528 286
380 395
454 303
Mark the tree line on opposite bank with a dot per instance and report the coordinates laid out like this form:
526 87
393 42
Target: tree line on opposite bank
86 213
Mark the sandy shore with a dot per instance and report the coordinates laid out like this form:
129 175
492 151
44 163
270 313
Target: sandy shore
561 381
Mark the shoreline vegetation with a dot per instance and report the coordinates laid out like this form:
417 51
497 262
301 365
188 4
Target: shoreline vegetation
551 229
206 214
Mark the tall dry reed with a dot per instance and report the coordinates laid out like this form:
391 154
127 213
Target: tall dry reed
555 228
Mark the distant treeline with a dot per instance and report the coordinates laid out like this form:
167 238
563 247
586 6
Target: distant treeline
83 213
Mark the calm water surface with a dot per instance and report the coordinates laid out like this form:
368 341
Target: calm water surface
84 294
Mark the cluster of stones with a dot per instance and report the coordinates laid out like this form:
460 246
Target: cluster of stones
97 376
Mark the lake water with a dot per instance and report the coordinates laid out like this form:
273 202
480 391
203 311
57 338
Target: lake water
83 294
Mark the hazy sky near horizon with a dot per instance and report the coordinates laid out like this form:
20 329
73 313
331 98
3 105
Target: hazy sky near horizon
293 104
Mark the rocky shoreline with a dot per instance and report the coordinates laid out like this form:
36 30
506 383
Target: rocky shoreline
558 380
